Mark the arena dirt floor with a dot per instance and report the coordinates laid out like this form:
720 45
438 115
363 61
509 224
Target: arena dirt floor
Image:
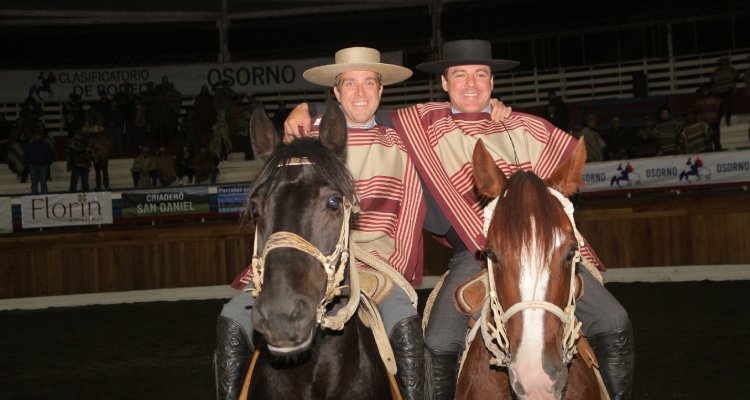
691 343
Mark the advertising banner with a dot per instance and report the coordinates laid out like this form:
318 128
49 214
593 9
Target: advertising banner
272 76
39 211
231 199
668 172
147 203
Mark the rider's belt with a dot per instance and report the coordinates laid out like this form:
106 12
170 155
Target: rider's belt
374 283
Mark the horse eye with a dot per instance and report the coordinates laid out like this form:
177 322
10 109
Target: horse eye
572 253
252 210
491 255
334 203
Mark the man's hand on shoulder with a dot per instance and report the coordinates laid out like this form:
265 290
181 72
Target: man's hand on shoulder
298 123
499 110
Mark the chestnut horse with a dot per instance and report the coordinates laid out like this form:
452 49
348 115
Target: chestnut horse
314 344
527 347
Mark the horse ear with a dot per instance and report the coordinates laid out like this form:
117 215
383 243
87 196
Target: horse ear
567 178
265 138
487 176
333 129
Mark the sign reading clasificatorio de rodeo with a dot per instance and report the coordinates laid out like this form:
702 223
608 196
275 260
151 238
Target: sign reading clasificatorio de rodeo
272 76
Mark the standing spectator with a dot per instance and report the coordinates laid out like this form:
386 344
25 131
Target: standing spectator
73 114
114 120
557 110
144 166
38 155
140 124
79 161
184 166
165 167
594 143
16 162
666 130
126 102
99 149
724 81
204 114
204 165
707 109
617 139
221 145
695 136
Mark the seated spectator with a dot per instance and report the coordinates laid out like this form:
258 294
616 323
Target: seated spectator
144 166
617 139
165 167
79 161
205 167
594 143
644 143
38 155
695 136
184 166
707 109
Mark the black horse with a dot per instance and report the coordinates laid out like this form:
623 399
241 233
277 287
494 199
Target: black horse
314 344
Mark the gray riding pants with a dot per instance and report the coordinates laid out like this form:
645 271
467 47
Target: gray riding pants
598 310
394 308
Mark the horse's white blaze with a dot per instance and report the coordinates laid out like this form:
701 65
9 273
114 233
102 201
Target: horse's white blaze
534 280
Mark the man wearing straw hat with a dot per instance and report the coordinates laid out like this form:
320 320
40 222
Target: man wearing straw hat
439 138
388 188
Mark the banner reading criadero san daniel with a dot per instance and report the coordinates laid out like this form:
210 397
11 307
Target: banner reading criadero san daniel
272 76
40 211
681 171
146 203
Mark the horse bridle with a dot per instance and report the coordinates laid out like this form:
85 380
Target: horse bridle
334 265
494 333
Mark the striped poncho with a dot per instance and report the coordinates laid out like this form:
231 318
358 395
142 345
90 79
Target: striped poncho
441 145
388 224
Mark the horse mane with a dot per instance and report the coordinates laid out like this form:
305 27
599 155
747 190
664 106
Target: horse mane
526 196
327 165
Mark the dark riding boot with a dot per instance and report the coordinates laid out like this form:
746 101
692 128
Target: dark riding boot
233 352
616 355
407 342
443 374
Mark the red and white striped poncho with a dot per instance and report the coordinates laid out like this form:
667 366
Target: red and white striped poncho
389 223
441 144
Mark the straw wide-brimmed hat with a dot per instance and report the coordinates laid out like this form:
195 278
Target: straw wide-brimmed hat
356 59
467 52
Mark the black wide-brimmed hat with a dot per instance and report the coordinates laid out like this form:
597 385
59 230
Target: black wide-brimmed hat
467 52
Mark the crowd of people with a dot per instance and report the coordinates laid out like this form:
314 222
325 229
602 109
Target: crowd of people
217 123
126 125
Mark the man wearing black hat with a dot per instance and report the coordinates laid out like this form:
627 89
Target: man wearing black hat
440 139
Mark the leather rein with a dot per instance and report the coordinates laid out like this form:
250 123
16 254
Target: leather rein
494 319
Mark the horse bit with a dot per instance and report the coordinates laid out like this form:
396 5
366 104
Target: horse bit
334 265
495 335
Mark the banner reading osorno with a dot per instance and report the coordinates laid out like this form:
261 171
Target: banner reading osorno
681 171
39 211
146 203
